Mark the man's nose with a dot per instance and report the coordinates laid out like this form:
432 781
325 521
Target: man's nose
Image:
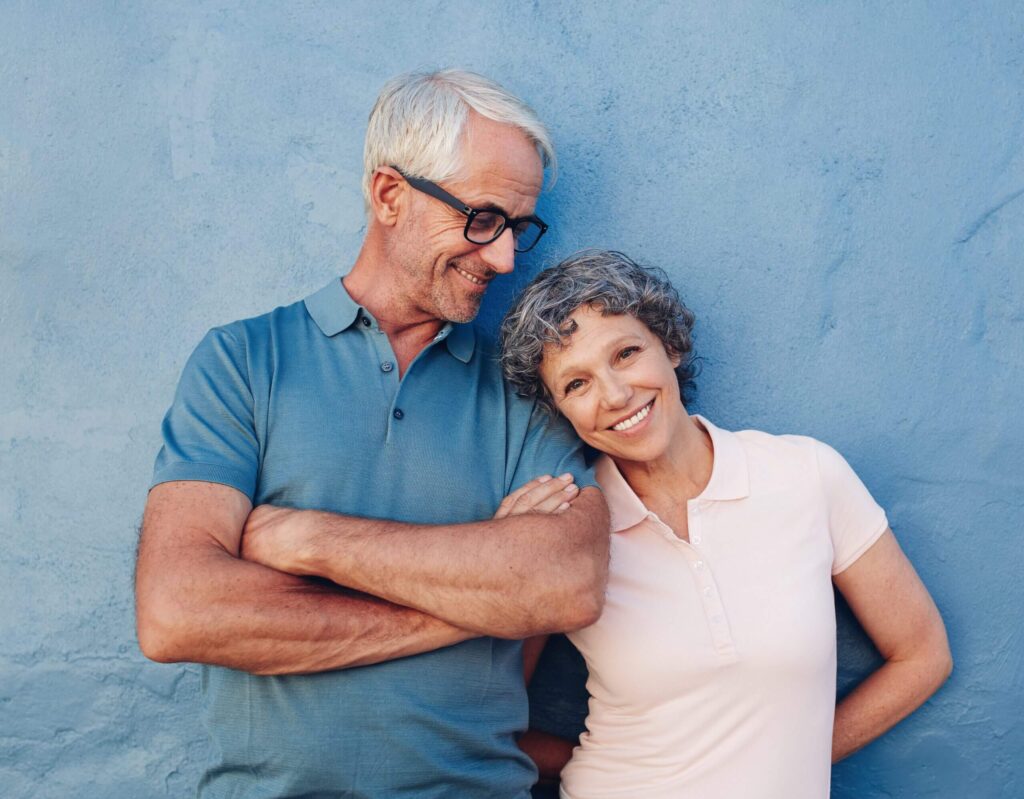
500 254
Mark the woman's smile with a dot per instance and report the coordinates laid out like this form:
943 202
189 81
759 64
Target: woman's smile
634 422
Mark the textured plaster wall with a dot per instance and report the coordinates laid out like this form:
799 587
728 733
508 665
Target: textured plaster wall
837 188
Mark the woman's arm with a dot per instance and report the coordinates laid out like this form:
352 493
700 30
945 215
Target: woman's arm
897 612
549 752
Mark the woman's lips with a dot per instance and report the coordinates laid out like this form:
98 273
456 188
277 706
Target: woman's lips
633 420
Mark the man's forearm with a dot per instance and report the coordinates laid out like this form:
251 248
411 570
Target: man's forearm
227 612
512 577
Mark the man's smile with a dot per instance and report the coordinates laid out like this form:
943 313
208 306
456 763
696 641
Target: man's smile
474 279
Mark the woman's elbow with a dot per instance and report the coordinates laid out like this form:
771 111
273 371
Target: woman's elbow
942 657
943 666
936 668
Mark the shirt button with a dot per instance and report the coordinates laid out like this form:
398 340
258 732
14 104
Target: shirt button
366 322
699 564
708 591
387 366
696 539
398 413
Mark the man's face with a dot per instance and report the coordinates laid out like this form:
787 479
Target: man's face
443 274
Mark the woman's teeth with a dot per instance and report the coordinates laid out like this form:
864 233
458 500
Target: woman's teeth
636 418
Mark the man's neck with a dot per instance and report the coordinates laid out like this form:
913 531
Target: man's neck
409 330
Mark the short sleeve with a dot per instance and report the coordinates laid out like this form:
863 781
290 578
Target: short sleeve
551 447
209 432
855 520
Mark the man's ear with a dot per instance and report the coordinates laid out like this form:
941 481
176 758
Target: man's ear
387 193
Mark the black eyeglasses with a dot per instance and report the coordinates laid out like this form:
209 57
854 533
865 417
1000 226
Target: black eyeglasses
484 225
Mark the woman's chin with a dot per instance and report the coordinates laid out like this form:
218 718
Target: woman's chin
638 449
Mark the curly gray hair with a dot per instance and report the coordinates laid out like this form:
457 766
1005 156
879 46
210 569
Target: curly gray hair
603 279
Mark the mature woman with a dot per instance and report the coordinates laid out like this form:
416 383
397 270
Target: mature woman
713 666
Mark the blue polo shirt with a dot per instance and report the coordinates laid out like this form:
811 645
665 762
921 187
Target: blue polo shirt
303 407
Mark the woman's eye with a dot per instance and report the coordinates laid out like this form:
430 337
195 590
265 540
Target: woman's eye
627 352
572 385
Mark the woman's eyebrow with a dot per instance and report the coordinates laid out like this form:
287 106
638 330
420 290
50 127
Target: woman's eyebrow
631 338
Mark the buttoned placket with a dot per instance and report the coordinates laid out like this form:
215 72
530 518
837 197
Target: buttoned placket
391 383
697 563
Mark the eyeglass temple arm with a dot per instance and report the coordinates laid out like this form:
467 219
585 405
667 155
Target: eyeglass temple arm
431 188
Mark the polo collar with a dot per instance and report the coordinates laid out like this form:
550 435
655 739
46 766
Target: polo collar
730 479
730 474
334 310
461 341
624 506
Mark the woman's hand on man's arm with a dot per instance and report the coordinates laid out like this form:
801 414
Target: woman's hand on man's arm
543 494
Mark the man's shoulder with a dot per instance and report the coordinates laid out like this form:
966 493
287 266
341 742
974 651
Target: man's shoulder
487 357
255 332
269 322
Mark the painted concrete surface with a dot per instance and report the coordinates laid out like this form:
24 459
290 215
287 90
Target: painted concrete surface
838 189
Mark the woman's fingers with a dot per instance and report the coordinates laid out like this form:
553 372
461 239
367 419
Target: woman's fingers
505 508
547 497
544 494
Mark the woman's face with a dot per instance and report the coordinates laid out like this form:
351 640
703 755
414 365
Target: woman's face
616 385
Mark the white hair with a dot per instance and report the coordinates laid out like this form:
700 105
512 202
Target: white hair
417 122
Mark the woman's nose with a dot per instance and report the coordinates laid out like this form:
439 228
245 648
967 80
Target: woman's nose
615 393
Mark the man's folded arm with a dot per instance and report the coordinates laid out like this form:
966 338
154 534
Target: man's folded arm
197 601
514 577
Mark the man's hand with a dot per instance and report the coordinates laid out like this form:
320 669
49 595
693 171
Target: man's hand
544 494
275 537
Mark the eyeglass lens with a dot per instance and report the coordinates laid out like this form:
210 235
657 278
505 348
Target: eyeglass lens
486 226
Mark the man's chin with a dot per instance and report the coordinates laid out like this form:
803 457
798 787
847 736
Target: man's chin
460 309
463 315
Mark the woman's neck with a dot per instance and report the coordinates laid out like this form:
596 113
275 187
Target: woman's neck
680 473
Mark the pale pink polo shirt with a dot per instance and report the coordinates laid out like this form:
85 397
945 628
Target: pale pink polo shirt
713 665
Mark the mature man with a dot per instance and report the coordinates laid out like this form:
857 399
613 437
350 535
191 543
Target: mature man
376 440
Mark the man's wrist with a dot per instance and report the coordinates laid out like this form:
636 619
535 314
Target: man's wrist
310 553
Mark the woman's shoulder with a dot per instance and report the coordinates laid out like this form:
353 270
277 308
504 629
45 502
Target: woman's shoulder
778 445
774 457
778 457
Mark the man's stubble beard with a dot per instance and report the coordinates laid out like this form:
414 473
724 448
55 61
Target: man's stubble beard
463 307
444 299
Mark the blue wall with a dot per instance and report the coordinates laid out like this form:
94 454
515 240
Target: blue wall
838 189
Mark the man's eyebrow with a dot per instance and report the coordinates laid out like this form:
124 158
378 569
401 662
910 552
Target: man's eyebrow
492 207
